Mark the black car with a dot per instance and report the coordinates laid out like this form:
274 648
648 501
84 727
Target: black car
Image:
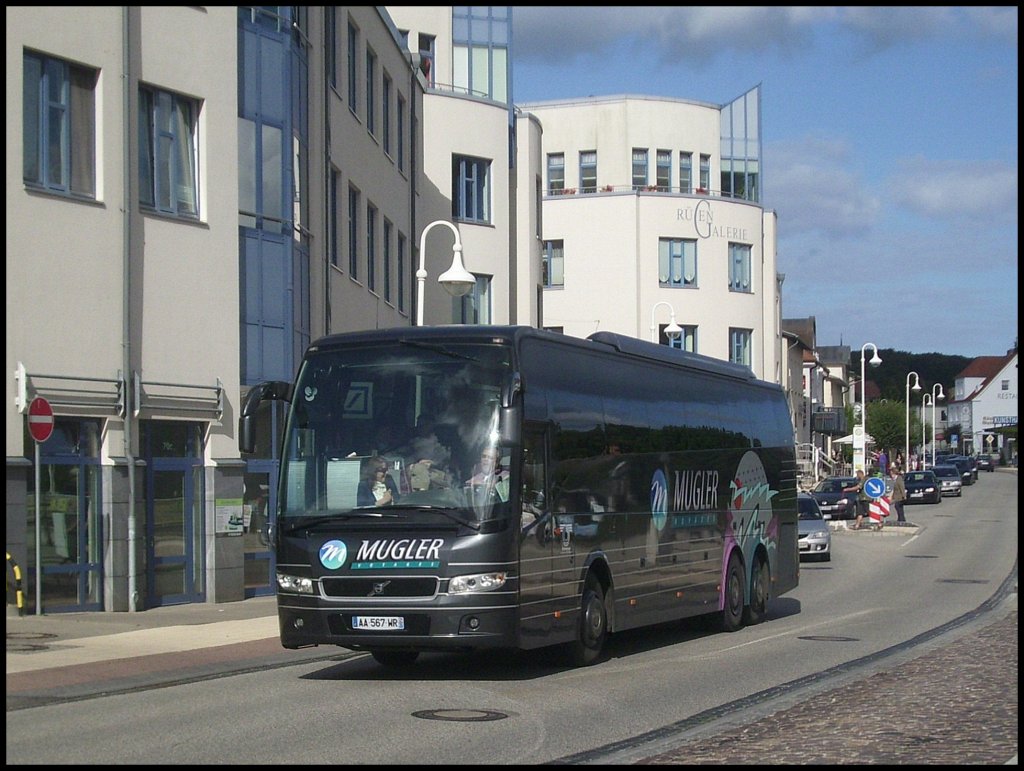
833 502
967 473
922 487
984 463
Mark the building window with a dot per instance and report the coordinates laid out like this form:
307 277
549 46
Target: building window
167 153
588 171
385 117
705 172
371 92
685 172
664 170
739 346
371 247
400 129
334 213
353 233
1004 385
400 272
739 268
59 104
331 33
474 307
387 260
677 262
639 168
687 341
480 41
471 190
556 173
353 74
553 268
427 58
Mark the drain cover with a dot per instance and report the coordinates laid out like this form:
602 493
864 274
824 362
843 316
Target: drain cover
460 715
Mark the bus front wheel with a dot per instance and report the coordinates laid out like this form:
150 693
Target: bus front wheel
592 629
732 612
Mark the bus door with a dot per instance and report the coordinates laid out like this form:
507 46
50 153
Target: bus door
537 543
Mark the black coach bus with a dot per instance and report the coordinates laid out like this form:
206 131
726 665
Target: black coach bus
468 487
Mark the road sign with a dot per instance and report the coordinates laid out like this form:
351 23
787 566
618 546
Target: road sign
40 419
874 487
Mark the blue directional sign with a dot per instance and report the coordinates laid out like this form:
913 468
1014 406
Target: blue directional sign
874 487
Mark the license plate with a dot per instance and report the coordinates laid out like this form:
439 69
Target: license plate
385 623
917 495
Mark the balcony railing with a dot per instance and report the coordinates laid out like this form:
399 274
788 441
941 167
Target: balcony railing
674 190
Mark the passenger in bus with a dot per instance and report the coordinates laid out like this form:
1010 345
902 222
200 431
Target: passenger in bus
427 457
489 475
376 487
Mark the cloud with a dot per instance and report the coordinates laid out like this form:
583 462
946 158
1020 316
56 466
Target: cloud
555 34
954 189
813 190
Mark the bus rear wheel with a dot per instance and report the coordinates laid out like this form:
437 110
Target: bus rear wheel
760 581
592 629
732 613
390 658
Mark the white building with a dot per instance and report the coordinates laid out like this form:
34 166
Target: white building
652 215
985 405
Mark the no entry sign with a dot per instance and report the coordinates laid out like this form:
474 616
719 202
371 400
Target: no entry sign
40 419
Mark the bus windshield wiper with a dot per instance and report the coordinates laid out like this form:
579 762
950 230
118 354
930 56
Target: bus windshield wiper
437 509
313 520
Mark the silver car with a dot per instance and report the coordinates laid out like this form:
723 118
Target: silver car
950 479
815 535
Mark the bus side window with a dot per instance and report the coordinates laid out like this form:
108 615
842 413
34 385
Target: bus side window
534 477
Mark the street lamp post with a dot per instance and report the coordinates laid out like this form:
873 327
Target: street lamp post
672 331
875 361
926 398
906 433
457 281
939 395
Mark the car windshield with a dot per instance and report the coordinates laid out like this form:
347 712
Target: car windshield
946 472
831 486
918 476
808 508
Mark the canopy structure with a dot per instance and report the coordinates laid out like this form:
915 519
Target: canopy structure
848 439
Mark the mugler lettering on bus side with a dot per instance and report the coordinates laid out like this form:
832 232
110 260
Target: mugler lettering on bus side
696 490
400 549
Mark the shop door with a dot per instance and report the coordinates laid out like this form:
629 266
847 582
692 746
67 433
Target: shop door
173 493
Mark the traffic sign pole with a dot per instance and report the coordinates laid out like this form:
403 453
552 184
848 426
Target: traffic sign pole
40 426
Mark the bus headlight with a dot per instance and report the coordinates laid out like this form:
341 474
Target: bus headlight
296 584
481 582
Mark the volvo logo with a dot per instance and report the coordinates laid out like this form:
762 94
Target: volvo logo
333 554
378 588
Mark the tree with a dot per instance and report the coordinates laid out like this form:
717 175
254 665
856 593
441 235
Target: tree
887 425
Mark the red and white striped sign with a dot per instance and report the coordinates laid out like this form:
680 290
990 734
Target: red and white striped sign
878 509
40 419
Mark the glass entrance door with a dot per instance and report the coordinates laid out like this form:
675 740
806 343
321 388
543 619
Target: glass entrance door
173 492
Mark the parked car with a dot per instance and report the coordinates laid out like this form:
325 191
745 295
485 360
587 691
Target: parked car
949 478
922 487
984 462
815 536
967 473
833 502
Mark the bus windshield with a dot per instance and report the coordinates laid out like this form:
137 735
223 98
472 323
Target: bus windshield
398 430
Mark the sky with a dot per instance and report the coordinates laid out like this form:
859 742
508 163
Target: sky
889 138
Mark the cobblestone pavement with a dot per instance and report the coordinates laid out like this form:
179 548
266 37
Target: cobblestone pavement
955 705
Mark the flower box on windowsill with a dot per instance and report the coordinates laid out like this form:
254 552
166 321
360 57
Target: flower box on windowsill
701 191
607 189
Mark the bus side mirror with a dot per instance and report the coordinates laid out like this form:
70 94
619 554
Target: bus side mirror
508 427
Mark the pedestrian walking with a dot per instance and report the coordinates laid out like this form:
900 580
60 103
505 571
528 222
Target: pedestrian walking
899 495
862 498
883 462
